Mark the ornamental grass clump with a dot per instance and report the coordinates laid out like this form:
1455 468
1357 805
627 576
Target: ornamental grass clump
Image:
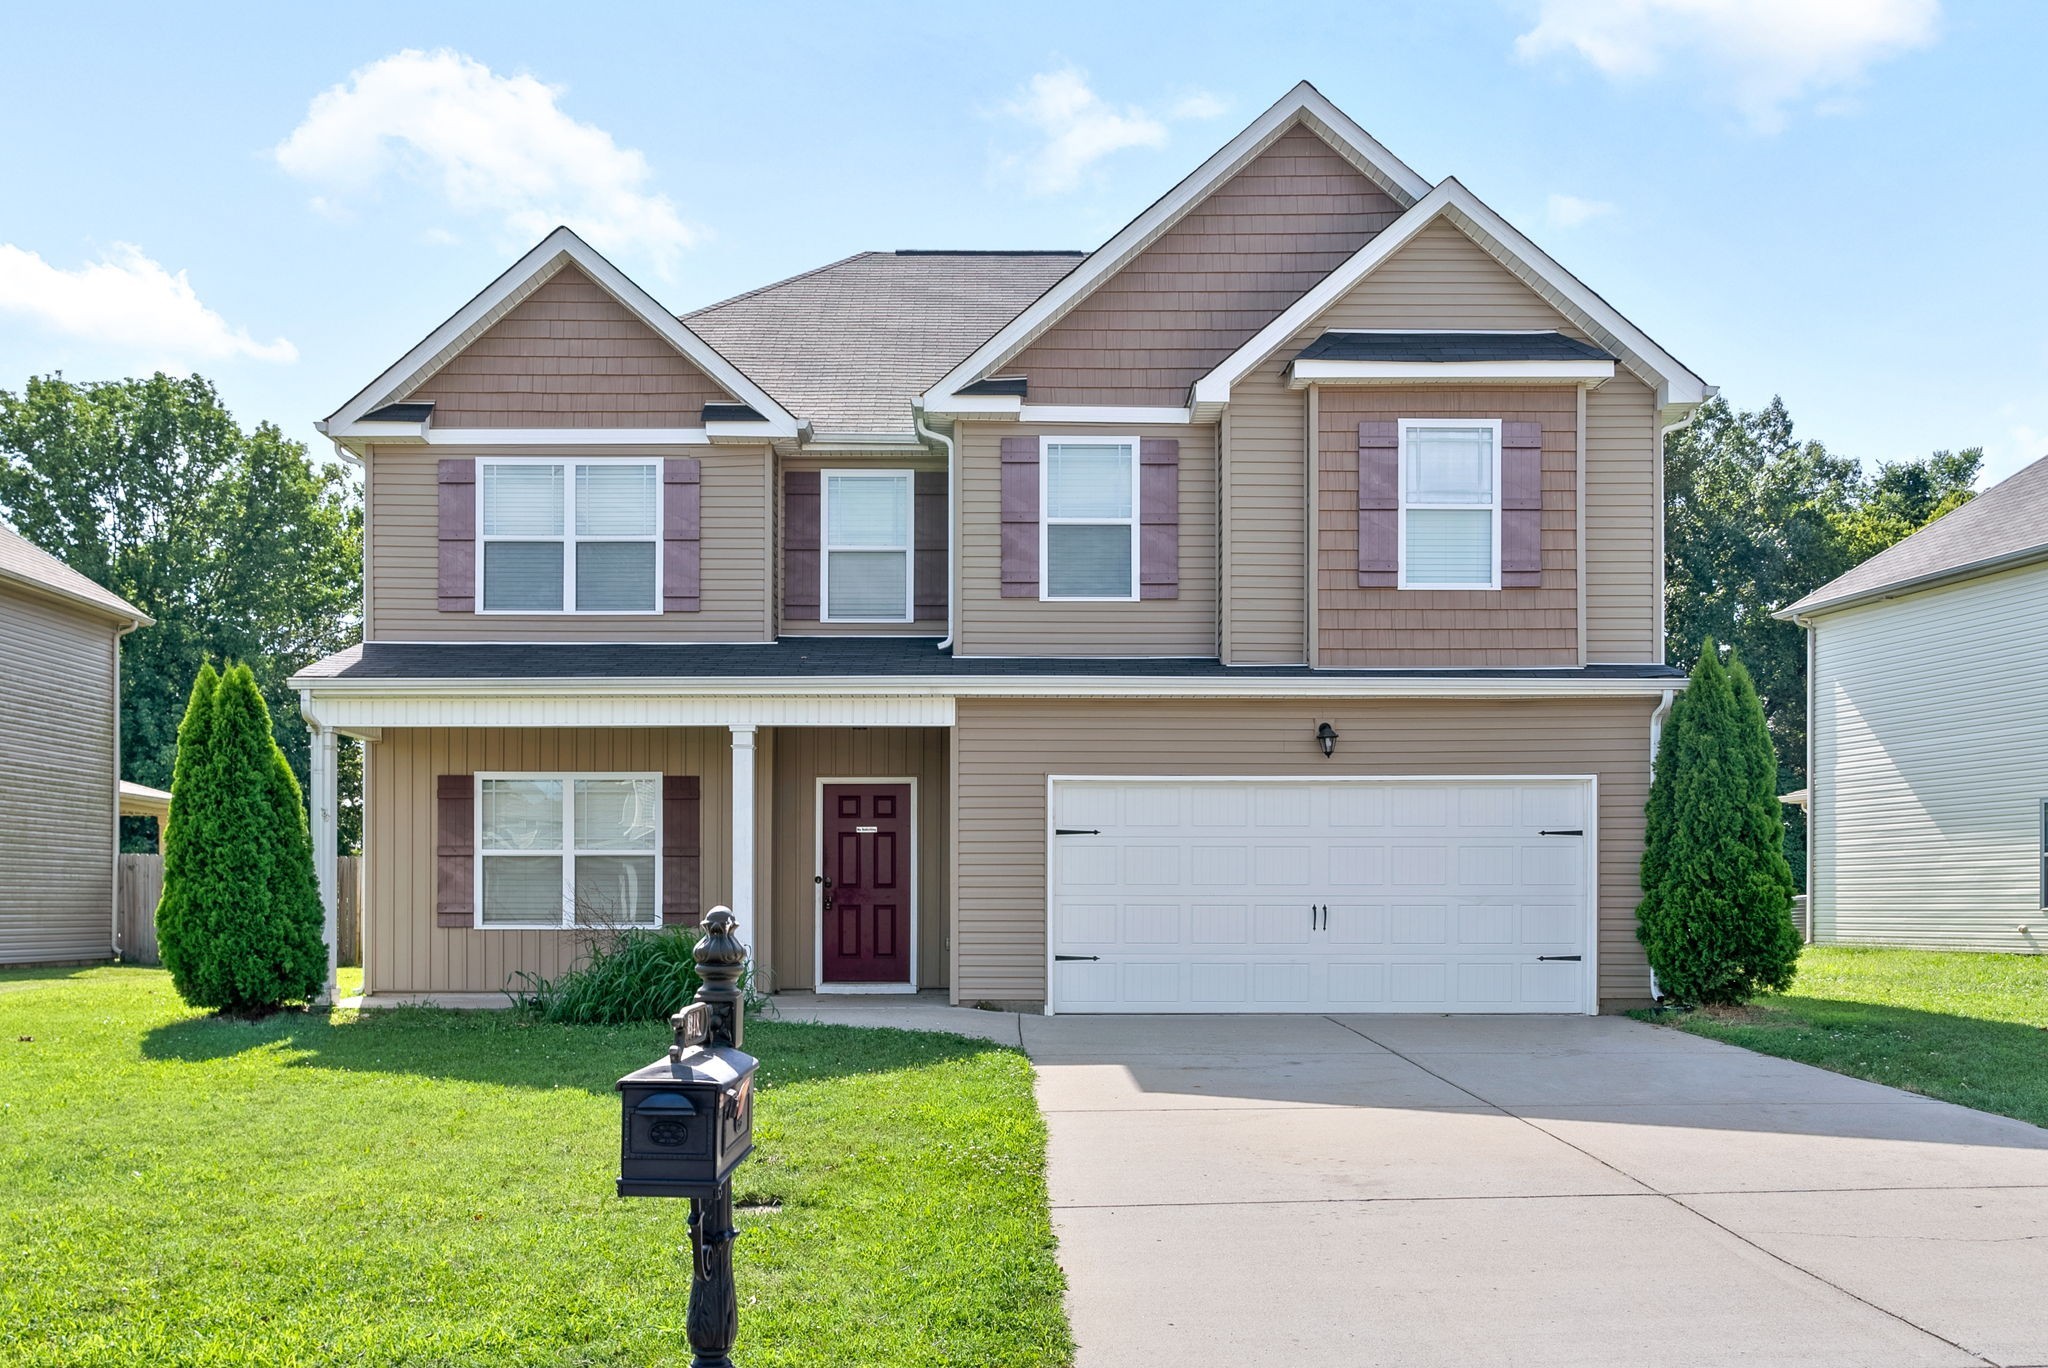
630 975
239 925
1716 914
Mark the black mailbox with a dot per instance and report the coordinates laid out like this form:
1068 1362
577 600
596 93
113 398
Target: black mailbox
687 1120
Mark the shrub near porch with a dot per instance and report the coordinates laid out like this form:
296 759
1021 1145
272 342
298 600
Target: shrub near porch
418 1187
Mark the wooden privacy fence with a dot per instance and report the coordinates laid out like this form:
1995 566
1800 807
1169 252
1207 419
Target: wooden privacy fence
142 883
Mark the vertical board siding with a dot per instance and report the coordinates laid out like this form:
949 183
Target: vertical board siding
404 559
804 755
569 355
57 781
1379 628
919 461
1005 751
1930 721
403 951
1624 620
1253 246
991 625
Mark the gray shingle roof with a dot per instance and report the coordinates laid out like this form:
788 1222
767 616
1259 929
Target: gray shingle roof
1450 346
22 561
2005 525
847 345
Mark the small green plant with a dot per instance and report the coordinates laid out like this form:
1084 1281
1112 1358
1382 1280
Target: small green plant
630 975
1716 914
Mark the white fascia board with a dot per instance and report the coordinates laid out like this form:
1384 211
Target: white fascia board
1304 102
1304 373
1802 611
750 430
537 266
1676 385
567 437
973 405
395 434
1086 413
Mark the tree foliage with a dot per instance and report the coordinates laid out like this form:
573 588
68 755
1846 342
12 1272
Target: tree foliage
1716 914
239 924
234 541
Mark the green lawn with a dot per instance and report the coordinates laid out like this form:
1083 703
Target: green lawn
1966 1028
421 1187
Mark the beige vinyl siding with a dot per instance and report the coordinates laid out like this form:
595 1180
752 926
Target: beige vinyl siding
921 459
403 950
404 555
1624 617
1429 628
1006 750
569 355
991 625
1265 522
1930 722
804 755
1253 246
57 781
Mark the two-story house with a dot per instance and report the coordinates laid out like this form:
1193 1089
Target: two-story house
1261 612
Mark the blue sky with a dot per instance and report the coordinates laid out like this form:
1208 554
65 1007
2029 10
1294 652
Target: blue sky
1838 201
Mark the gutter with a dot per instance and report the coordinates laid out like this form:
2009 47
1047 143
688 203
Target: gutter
952 513
2011 560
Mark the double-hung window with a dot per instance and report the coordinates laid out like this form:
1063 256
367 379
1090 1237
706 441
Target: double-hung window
1450 503
1088 530
560 850
866 531
569 536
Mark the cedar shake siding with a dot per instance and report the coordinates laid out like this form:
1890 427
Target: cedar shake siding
993 625
401 597
57 780
1005 750
1253 246
1386 628
569 355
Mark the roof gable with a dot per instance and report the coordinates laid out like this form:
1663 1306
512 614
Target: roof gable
24 563
527 278
1304 106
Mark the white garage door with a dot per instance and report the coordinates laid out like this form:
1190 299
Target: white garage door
1374 895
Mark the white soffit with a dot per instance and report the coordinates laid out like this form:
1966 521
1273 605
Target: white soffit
558 249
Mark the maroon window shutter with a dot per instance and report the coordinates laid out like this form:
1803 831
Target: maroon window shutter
682 524
458 536
1521 505
1158 518
928 576
1020 517
801 531
455 850
1379 503
682 850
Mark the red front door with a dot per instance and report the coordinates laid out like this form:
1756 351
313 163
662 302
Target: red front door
866 893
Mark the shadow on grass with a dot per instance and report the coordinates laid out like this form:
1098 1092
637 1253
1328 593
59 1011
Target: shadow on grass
510 1050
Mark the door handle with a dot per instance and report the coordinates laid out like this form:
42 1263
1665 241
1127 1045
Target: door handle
1573 958
1064 958
826 884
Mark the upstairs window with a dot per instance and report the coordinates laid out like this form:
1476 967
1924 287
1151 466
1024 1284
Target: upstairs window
569 536
1450 503
1088 533
560 850
866 541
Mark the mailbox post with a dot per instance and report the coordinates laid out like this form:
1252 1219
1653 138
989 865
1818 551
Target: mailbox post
687 1121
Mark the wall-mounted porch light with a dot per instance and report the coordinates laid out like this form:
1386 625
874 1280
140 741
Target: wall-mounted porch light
1326 736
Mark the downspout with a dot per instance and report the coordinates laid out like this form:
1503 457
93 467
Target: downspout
114 912
952 513
1657 716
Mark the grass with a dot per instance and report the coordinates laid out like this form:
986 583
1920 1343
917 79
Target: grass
1963 1027
416 1187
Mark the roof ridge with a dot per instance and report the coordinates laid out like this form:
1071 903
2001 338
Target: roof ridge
778 284
993 251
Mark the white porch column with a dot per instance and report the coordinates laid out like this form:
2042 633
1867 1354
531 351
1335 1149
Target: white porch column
325 843
743 834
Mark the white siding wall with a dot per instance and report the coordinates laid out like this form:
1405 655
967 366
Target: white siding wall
1930 761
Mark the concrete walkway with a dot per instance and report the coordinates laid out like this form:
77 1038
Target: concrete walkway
1569 1191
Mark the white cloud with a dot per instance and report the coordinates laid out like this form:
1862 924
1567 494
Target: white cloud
1569 211
1079 128
491 146
1768 53
129 301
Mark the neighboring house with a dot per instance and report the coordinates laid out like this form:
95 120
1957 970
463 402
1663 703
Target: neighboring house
1019 623
1927 732
60 756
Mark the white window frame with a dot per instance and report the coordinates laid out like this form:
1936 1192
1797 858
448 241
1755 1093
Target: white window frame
825 547
1402 506
568 850
1046 521
568 538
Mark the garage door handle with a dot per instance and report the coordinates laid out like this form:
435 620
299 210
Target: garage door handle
1077 957
1075 831
1574 958
1575 831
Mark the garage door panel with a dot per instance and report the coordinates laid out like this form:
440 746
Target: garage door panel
1281 923
1357 865
1282 866
1357 983
1220 866
1356 923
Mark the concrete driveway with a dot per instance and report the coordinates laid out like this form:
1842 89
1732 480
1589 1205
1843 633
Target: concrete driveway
1574 1191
